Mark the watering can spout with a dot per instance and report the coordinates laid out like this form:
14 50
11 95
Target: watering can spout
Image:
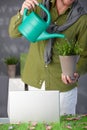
45 35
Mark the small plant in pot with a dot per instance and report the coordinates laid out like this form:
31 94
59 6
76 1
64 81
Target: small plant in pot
11 62
69 54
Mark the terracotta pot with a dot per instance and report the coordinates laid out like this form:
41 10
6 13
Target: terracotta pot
11 71
68 64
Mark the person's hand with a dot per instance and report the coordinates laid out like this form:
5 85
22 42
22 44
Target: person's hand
68 80
29 4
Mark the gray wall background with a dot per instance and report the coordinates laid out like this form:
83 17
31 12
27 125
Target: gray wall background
9 46
17 46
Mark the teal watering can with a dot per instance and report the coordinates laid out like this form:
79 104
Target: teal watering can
33 27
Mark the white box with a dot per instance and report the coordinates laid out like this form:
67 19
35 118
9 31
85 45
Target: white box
25 106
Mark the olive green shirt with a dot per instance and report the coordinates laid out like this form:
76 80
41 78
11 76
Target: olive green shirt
35 70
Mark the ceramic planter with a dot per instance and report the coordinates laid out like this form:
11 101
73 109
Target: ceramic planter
11 71
68 64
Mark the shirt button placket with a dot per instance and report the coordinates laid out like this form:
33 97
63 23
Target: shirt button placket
40 82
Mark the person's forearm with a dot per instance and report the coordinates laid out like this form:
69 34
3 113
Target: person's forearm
17 19
13 26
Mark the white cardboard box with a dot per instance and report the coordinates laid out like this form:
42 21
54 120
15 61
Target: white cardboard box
24 106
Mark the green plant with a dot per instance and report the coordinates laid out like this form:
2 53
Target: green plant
68 48
11 60
67 122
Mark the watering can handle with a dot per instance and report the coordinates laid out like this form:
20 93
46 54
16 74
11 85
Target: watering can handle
42 7
47 12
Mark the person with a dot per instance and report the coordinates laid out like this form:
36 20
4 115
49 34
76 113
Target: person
37 71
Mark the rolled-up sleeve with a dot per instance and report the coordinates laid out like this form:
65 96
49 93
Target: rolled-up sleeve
13 26
82 40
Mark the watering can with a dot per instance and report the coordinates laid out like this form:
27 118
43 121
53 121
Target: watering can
33 27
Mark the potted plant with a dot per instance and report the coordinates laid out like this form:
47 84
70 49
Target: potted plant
11 62
69 54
